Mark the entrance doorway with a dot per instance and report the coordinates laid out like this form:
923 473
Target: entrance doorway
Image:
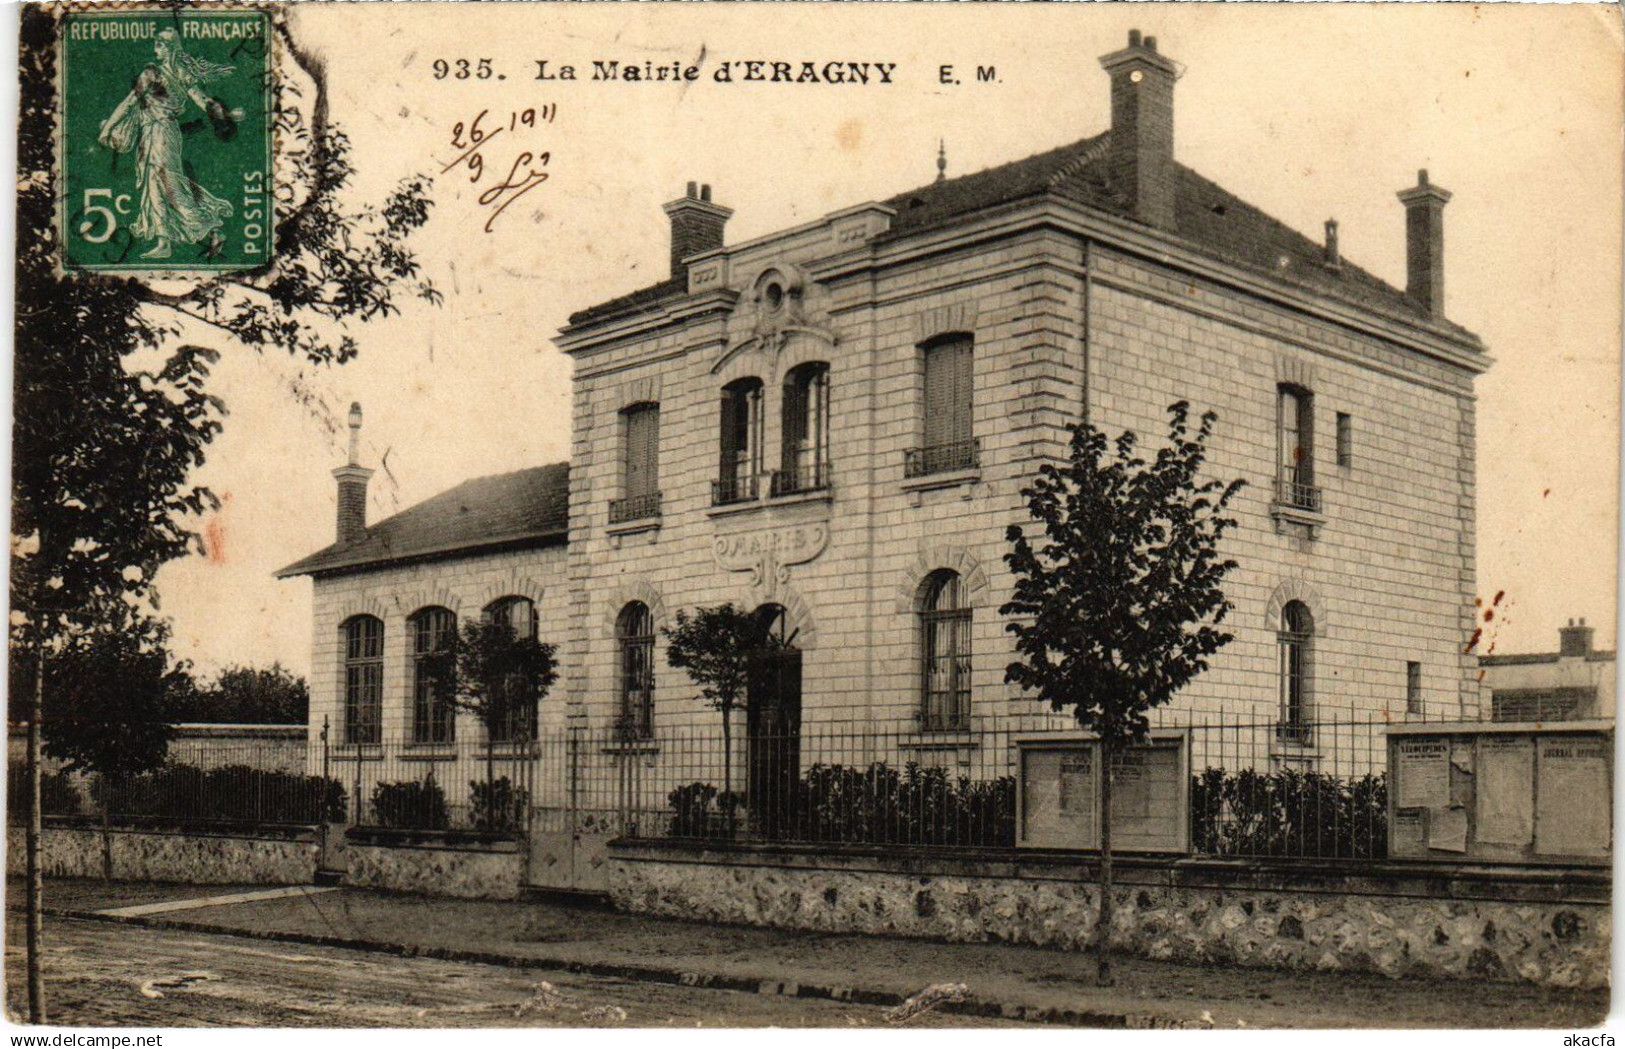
773 729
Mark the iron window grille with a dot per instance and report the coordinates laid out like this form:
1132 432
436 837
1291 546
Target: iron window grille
942 458
945 683
1295 639
634 508
635 638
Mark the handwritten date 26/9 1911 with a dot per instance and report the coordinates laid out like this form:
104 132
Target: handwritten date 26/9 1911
527 168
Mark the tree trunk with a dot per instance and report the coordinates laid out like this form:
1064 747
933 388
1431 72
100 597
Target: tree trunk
1103 923
36 883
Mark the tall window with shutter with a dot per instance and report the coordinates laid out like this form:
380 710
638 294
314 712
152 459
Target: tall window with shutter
950 443
640 464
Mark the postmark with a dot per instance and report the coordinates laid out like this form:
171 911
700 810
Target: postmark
165 140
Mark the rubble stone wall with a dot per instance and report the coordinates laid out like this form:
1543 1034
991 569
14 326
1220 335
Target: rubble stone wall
192 858
1539 927
476 873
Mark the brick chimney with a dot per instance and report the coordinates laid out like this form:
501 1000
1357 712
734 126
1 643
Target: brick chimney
1574 640
696 226
1424 243
1140 158
352 478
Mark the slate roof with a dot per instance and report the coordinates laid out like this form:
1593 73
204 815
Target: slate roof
1209 218
523 508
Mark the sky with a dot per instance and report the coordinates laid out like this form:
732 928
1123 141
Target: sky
1308 111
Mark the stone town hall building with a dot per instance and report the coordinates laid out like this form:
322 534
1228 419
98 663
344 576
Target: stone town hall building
832 424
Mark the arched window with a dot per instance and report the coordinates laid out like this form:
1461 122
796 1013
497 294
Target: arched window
363 680
945 637
513 716
433 715
740 457
1296 645
635 642
805 433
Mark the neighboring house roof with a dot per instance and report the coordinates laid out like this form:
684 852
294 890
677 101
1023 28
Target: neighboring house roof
1211 219
523 508
1519 659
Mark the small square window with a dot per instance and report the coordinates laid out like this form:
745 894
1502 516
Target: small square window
1413 688
1345 439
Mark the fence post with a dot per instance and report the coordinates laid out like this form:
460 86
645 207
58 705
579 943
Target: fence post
355 807
321 801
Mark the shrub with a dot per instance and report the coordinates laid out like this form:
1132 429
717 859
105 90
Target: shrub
499 806
58 794
231 793
411 804
1289 813
875 805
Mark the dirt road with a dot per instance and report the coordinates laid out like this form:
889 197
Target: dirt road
104 974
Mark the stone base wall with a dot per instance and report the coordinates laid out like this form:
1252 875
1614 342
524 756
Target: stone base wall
1544 928
484 872
193 858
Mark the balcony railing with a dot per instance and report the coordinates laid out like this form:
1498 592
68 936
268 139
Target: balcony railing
1298 732
634 508
1294 491
800 477
942 458
728 490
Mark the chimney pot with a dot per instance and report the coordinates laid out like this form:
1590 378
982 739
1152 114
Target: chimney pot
1424 243
1574 640
352 478
1334 258
1140 151
696 226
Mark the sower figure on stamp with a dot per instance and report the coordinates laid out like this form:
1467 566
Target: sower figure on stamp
174 208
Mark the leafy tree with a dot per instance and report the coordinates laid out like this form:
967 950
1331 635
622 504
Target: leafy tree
107 708
500 676
719 647
111 411
245 695
1118 599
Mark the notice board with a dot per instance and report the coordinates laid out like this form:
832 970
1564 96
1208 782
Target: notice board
1510 792
1060 795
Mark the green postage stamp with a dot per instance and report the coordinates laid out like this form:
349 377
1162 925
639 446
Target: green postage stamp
164 139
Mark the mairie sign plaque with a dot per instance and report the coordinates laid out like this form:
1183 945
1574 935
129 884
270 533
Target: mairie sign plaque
768 553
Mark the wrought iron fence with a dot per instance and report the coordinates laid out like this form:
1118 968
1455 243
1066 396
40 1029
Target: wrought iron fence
1251 790
201 782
